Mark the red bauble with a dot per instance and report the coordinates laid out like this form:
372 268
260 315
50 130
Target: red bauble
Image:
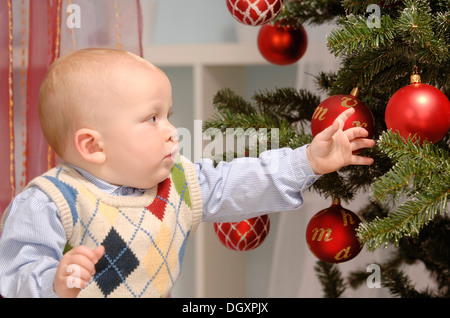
254 12
332 107
245 235
282 45
419 109
331 234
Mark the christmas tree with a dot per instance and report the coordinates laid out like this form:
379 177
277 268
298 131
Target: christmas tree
381 44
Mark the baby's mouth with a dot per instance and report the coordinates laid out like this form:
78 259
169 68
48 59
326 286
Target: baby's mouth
173 154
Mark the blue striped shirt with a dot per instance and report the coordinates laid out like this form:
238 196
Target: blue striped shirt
33 238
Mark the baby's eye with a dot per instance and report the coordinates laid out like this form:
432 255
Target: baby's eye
151 119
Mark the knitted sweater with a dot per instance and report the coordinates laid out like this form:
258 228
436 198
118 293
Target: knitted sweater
144 237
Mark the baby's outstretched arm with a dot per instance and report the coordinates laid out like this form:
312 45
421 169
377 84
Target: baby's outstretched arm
75 270
332 148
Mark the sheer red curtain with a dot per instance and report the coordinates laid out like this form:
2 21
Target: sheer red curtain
33 34
43 47
7 174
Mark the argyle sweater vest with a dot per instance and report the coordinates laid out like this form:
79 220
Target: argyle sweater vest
144 237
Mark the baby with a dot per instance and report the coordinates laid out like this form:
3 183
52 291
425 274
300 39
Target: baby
113 218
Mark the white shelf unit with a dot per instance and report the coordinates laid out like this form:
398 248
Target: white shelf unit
213 67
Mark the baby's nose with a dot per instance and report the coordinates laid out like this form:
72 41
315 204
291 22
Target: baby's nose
174 135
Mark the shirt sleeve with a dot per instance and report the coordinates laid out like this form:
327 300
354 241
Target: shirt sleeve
31 246
249 187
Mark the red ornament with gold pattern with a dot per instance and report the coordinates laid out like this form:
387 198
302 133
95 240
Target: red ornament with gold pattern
331 234
245 235
419 109
254 12
328 110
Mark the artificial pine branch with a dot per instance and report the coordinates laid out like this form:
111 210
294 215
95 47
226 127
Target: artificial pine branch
381 58
295 106
287 110
297 12
325 80
356 35
410 183
393 279
415 23
400 285
420 178
432 248
331 279
233 111
396 147
334 185
416 164
374 71
358 7
226 99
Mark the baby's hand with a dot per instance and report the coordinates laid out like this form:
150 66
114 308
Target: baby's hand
333 148
75 270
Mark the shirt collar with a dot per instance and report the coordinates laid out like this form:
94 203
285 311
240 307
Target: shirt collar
106 186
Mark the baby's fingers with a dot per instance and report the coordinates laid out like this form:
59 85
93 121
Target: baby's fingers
345 115
81 261
361 143
98 253
338 124
87 255
356 132
78 277
362 161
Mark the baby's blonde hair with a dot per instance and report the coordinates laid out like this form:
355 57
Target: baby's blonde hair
67 98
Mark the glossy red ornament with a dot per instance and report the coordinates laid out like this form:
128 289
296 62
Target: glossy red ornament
254 12
245 235
331 234
282 45
419 109
328 110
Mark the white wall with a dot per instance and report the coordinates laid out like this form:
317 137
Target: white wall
191 21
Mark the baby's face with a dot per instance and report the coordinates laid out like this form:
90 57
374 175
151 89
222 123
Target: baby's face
137 134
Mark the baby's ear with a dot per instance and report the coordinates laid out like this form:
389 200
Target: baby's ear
88 143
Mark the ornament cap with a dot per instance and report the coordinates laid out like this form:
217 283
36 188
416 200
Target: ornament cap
336 201
355 92
415 79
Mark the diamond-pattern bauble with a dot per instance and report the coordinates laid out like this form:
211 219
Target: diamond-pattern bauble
254 12
245 235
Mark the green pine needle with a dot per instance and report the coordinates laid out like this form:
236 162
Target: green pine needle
356 35
331 279
416 189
